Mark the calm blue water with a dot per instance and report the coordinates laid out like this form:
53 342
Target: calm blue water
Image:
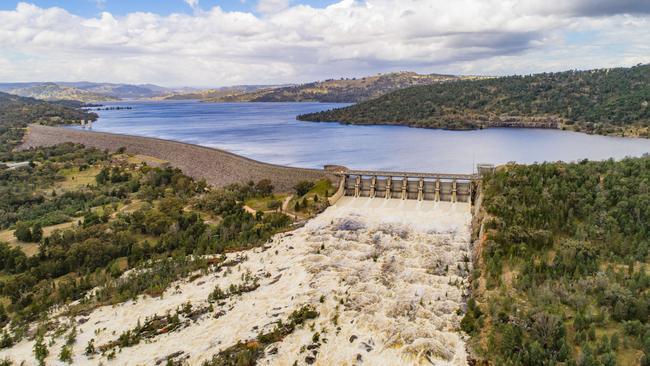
269 132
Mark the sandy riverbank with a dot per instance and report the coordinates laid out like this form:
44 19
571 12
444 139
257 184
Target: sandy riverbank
217 167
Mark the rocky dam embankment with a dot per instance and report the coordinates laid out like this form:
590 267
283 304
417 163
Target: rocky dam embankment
217 167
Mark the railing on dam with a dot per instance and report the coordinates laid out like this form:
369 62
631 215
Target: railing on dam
406 185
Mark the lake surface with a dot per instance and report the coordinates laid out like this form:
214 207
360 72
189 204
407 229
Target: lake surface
269 132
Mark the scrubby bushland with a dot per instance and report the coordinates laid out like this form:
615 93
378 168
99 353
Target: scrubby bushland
18 112
162 225
564 265
153 231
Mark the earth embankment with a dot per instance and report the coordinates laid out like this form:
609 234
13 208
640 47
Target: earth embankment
217 167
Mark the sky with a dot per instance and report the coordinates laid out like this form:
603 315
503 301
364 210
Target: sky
210 43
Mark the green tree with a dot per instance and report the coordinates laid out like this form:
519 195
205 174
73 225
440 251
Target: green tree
66 354
71 338
6 341
274 205
90 347
40 350
303 187
3 315
91 218
22 232
264 187
37 232
103 176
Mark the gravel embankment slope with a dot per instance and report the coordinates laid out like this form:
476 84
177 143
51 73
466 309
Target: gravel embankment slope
218 167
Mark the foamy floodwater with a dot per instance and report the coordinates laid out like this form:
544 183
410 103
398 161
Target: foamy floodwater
387 278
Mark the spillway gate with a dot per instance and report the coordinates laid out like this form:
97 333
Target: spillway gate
407 185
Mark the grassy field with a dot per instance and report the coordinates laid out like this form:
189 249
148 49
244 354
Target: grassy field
140 159
32 248
315 197
75 179
262 203
133 206
323 188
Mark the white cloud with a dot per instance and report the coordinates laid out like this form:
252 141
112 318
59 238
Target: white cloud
271 6
302 43
192 3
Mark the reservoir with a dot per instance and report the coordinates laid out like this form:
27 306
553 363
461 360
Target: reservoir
269 132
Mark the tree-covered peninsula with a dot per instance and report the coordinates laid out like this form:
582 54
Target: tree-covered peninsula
604 101
16 113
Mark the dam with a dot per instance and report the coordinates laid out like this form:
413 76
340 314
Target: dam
437 187
387 268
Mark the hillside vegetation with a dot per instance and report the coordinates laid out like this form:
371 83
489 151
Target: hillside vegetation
337 90
53 92
219 94
84 91
18 112
605 101
125 215
564 275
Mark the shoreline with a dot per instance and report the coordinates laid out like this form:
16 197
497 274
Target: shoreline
635 133
218 167
613 130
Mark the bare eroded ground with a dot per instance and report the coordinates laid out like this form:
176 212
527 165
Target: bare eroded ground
387 278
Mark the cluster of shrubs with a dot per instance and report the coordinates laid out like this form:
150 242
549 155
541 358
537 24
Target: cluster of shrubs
574 238
246 353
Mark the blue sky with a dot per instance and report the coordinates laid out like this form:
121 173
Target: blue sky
88 8
234 42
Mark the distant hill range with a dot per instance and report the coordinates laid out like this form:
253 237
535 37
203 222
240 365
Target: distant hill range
84 91
345 90
236 93
604 101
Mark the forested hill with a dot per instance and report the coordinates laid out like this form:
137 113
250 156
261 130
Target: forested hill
604 101
18 112
344 90
562 276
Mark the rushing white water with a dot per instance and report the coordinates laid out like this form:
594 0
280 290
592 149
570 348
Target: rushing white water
387 278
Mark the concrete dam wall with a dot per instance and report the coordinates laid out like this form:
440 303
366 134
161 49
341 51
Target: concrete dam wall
407 186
